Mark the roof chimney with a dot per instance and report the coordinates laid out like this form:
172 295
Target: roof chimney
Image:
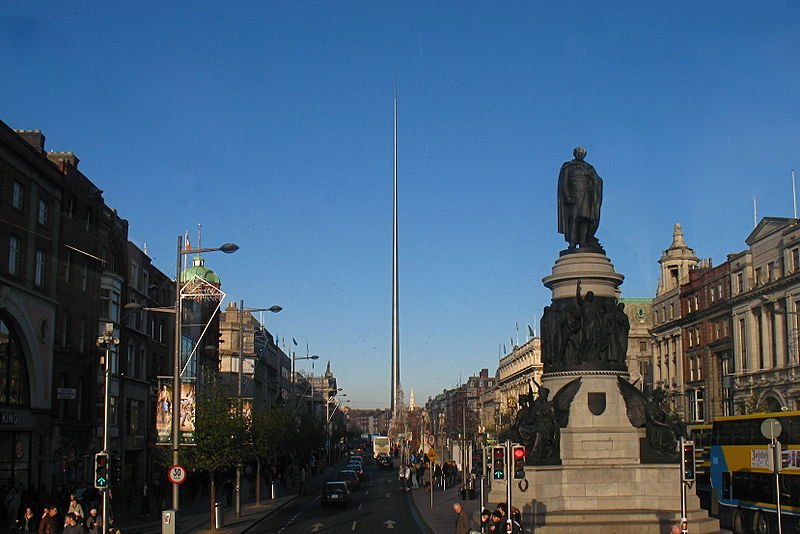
35 138
65 161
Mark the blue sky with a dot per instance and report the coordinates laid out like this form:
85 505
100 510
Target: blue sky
270 123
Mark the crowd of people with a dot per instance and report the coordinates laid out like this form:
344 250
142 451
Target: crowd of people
20 514
491 522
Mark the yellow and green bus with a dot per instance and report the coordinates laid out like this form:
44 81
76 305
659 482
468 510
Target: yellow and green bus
742 481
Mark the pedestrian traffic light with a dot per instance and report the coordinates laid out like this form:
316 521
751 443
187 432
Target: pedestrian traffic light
687 462
101 470
518 454
499 463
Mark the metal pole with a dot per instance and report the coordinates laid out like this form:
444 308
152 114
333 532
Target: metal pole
176 381
777 464
684 521
106 446
238 501
509 467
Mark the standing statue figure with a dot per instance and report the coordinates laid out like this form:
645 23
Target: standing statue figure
580 194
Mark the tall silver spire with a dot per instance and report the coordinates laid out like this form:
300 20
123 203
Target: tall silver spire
395 283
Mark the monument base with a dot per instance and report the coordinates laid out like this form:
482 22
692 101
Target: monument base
622 499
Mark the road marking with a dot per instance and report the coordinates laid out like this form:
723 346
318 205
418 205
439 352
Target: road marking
316 526
389 523
354 526
292 519
366 492
388 495
360 505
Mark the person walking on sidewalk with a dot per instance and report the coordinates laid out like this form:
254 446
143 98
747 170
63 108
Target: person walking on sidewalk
462 521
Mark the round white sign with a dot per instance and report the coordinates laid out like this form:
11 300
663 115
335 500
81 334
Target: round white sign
176 474
431 440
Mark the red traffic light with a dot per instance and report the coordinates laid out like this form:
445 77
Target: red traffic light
519 452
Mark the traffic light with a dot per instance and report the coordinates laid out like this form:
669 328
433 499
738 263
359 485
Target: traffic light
687 462
499 463
101 470
518 454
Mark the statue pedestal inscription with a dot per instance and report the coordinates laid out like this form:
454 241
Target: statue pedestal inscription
601 453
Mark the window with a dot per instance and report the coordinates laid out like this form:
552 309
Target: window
673 277
14 387
643 346
85 273
696 405
110 304
134 275
771 274
671 310
743 343
739 282
69 206
13 255
130 369
18 196
795 252
67 264
43 212
112 410
758 276
39 272
132 416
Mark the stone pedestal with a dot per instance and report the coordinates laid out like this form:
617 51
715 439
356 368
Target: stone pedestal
601 483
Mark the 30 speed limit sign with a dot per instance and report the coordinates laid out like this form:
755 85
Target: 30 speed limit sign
176 474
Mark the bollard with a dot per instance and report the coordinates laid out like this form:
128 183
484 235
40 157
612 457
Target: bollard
219 515
273 491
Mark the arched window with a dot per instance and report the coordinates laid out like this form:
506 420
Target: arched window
14 385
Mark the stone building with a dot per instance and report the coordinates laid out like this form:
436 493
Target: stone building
640 350
30 207
676 262
765 281
515 375
706 336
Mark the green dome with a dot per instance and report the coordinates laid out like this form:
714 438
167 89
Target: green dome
199 269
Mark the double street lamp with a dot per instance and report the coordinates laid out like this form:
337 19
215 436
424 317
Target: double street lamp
242 310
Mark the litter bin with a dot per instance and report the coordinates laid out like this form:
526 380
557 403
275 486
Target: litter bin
273 490
219 515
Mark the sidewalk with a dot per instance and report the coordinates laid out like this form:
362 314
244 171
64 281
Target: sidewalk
441 518
195 516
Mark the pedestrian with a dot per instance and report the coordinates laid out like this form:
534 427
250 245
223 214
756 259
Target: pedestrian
302 486
145 500
74 507
675 529
462 521
486 520
47 524
497 526
28 520
94 523
407 477
71 525
12 502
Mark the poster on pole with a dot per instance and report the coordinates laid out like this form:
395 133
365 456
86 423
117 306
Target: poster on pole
164 411
187 411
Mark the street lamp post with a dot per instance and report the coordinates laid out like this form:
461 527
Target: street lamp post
328 417
107 340
312 357
242 309
227 248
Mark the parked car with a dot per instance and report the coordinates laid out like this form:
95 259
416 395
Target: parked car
335 492
350 476
357 467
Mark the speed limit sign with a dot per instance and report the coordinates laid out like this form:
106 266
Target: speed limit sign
176 474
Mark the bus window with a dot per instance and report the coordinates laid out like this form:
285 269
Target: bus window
726 485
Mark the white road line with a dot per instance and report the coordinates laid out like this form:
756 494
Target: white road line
354 526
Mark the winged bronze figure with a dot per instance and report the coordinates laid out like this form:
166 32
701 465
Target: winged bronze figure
663 429
539 422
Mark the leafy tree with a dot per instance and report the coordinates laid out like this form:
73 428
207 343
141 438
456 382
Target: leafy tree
754 404
219 432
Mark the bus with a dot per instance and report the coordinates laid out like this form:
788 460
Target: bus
380 445
742 482
700 434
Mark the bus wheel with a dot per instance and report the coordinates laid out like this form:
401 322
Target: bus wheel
738 522
761 525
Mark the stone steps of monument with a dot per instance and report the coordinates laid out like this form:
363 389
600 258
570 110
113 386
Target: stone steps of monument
625 522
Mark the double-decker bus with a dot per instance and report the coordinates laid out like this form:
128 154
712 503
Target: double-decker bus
700 434
742 480
381 445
